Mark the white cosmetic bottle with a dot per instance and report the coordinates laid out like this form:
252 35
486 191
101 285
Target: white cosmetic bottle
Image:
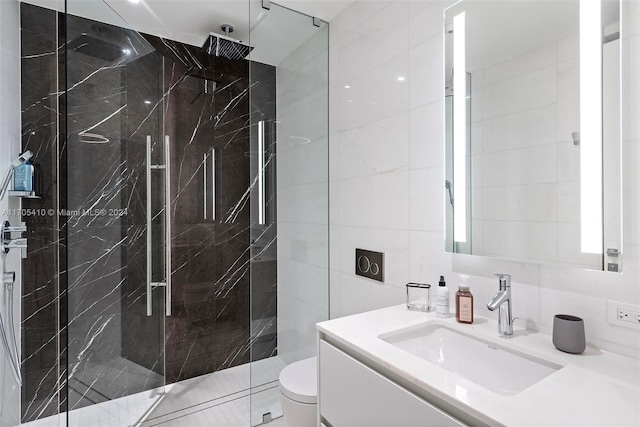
442 299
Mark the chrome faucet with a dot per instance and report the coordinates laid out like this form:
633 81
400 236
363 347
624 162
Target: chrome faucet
502 301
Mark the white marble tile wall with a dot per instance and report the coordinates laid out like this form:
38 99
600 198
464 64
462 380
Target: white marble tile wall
303 294
9 147
386 127
386 175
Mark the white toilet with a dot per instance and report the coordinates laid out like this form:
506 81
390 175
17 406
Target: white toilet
299 392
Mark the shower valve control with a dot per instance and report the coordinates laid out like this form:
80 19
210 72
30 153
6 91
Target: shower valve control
18 229
8 242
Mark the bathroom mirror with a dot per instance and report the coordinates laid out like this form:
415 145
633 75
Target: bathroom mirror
532 133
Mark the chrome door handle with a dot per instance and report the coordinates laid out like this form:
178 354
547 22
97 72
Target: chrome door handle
213 184
149 237
167 227
262 206
205 186
167 210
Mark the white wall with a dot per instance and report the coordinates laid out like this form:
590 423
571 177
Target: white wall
303 211
9 146
387 177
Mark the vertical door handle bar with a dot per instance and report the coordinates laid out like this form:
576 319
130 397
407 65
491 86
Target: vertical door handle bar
149 241
204 184
262 215
213 184
167 211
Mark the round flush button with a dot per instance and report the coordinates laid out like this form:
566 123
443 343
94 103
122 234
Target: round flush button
375 269
364 264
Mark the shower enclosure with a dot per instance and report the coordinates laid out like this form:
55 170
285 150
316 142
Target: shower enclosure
183 258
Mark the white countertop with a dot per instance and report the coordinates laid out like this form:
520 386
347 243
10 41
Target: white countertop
595 388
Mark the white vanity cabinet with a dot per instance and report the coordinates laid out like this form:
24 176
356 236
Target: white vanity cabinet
352 394
366 380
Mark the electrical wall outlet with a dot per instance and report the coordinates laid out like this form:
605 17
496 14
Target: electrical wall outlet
622 314
627 316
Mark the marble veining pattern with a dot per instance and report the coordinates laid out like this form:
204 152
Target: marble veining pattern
88 339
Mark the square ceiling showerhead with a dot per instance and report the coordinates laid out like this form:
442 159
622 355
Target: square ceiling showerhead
226 47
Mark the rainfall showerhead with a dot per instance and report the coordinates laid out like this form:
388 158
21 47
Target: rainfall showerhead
225 46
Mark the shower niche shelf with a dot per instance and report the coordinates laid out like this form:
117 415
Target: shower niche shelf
25 194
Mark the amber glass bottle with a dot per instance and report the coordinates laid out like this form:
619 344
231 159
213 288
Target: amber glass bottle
464 304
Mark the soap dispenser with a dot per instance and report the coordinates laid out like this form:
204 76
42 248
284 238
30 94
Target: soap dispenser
442 299
464 301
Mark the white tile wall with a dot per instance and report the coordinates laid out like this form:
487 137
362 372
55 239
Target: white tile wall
518 130
9 147
524 92
400 211
303 211
535 60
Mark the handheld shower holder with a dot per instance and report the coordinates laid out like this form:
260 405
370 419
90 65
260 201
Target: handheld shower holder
9 277
17 162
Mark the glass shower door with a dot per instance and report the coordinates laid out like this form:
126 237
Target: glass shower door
170 161
174 119
290 197
114 164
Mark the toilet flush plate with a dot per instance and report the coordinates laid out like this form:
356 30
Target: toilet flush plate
370 264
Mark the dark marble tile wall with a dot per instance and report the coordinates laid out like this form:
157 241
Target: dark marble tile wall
121 88
100 176
144 83
43 365
210 324
264 310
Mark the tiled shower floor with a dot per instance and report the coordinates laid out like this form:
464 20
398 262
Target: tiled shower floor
221 399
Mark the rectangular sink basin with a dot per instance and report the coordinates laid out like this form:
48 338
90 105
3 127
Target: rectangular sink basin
499 369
